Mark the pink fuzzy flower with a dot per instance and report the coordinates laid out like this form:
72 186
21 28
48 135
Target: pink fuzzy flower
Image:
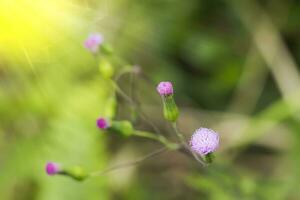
204 141
93 42
165 88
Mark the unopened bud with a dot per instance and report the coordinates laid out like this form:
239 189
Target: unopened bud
165 90
93 42
171 112
123 128
102 123
52 168
76 173
106 69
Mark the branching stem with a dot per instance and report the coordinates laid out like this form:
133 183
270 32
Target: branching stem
183 142
129 164
159 138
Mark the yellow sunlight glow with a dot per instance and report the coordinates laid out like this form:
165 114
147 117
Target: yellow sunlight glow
28 24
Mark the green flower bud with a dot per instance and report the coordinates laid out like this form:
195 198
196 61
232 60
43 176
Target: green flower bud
123 128
106 69
76 173
165 90
171 112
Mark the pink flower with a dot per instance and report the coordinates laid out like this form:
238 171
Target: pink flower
102 123
52 168
165 88
204 141
93 42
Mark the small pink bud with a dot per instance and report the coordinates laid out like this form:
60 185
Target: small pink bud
93 42
52 168
102 123
165 88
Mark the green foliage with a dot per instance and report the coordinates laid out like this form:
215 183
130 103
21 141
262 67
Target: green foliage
234 184
52 90
49 106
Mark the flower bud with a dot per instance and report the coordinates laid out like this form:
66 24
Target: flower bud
106 69
52 168
165 88
170 110
123 128
76 173
93 42
102 123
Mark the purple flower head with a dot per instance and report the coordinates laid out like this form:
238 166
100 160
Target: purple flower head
204 141
165 88
52 168
102 123
93 42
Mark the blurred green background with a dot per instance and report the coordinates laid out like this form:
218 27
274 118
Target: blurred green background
234 68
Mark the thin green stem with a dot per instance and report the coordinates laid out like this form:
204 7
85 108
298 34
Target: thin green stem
120 61
123 72
159 138
129 164
183 142
122 93
135 105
